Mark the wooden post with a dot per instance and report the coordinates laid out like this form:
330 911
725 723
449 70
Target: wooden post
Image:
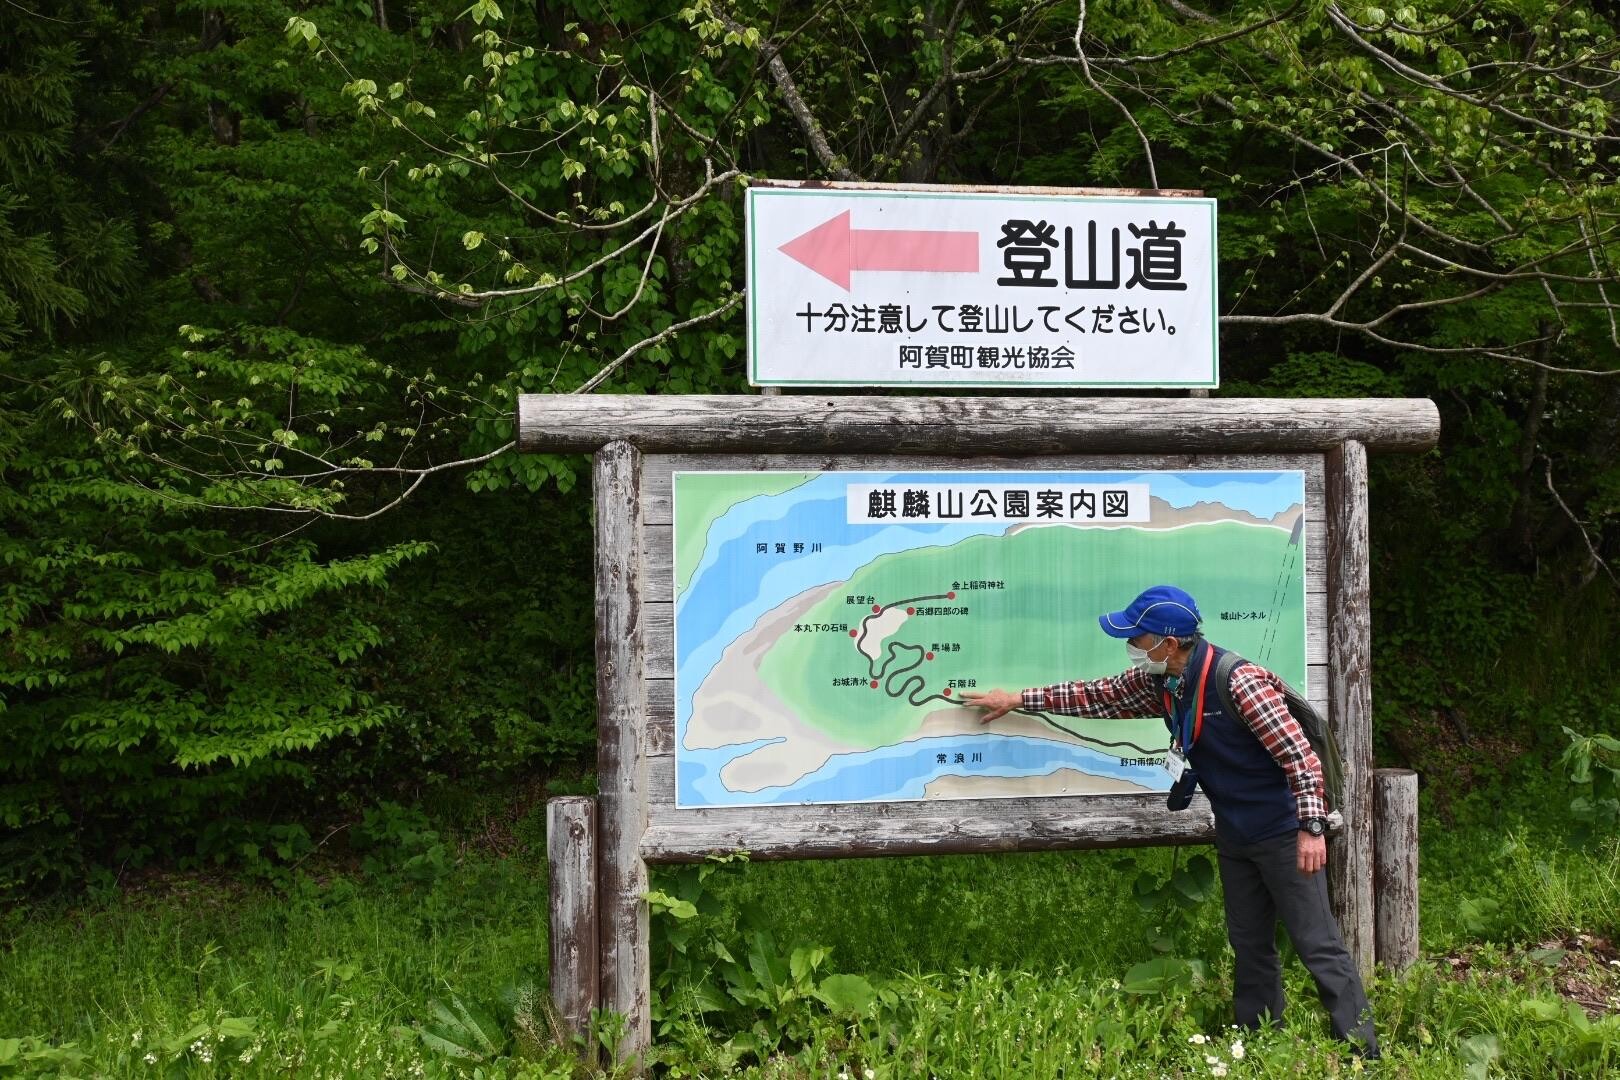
621 737
1395 881
571 856
1350 854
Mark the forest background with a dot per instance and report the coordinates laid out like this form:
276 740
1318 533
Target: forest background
272 275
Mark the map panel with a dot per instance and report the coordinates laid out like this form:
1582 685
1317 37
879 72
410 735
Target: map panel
827 624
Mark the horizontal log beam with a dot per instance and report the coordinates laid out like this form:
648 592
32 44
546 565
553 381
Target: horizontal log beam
933 827
853 831
806 423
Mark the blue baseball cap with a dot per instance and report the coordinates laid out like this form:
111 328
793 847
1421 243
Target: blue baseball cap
1164 610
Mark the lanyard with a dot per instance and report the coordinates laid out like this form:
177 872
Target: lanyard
1194 724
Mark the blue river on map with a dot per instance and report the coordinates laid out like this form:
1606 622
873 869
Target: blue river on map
904 770
710 613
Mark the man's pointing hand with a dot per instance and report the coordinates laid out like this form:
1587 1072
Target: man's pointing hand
996 703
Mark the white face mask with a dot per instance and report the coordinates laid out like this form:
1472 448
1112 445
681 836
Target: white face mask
1141 660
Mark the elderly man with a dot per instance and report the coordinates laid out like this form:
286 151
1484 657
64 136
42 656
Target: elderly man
1264 783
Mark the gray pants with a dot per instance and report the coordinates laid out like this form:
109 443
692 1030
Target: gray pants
1262 882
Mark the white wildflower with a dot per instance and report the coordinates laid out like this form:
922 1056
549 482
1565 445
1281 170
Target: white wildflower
1198 1039
869 1074
1237 1049
135 1039
1217 1070
150 1059
1211 1059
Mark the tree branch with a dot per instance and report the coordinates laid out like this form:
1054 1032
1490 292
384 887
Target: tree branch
789 90
1580 527
617 362
1085 69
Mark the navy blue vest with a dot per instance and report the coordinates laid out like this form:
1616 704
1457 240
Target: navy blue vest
1246 787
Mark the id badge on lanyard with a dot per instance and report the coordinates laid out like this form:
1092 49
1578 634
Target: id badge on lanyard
1175 762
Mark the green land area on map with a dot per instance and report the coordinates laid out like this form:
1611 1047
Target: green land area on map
1040 628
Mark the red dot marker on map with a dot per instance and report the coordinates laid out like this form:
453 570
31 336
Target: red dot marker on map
928 656
946 691
950 596
911 611
874 684
854 633
876 608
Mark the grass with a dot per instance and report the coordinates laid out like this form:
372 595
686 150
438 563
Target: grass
316 979
984 966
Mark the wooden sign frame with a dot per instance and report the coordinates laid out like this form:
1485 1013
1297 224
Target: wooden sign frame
639 441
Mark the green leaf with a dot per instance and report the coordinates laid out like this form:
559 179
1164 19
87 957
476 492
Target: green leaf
1548 957
1196 880
462 1032
846 995
804 961
1158 976
1478 1051
661 901
1541 1009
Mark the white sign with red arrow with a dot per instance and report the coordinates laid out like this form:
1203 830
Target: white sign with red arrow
967 288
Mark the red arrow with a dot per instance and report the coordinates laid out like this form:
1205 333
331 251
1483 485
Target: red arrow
833 249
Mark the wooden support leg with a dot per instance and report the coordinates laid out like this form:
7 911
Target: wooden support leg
1395 880
571 856
1350 854
621 746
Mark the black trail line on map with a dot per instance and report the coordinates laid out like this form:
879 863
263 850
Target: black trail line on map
909 687
1087 738
884 675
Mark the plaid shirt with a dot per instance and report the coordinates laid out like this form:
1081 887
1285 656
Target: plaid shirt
1256 692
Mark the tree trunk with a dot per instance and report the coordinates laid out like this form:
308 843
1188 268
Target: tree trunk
224 122
1520 541
932 134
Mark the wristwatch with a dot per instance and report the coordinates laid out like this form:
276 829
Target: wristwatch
1314 825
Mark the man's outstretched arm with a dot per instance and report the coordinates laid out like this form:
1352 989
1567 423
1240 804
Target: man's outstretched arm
1130 694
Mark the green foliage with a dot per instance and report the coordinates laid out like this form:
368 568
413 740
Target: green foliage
31 1056
1592 763
718 969
312 978
66 250
1168 906
464 1034
398 845
156 669
339 974
261 268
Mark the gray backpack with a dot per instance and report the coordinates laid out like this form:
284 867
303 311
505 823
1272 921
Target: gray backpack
1312 722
